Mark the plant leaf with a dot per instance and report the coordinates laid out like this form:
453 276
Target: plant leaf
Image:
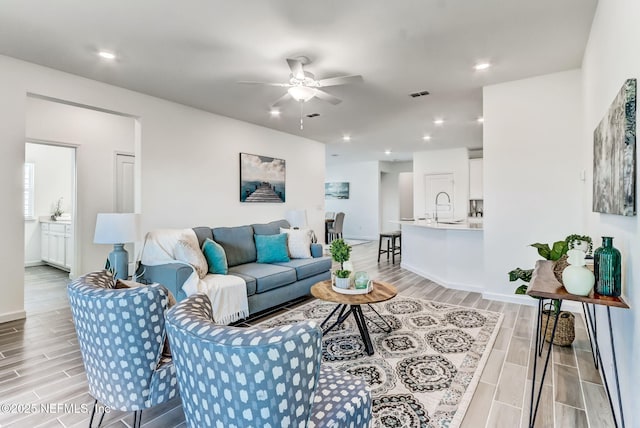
559 249
522 274
543 250
522 289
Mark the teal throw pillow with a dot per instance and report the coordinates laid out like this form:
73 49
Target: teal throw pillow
272 248
216 257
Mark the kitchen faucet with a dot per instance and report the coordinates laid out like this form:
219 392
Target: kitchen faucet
448 200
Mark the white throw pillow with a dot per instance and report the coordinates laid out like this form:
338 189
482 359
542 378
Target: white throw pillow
188 251
298 242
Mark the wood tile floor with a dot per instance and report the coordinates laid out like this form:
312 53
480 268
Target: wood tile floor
40 362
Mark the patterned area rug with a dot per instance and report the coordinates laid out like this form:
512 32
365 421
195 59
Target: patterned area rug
423 373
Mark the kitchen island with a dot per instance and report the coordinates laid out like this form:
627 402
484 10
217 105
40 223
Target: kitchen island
450 253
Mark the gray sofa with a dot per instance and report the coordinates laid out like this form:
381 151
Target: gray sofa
268 285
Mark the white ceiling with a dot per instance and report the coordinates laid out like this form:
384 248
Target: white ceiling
193 52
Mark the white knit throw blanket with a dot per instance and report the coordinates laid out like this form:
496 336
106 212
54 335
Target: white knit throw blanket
228 293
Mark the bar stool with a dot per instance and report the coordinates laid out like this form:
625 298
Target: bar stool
392 248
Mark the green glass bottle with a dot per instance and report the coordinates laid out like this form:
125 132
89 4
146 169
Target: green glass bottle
606 268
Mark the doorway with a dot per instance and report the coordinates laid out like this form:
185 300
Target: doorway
49 205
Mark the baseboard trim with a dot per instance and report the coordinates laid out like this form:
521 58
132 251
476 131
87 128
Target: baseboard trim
441 281
518 299
521 299
12 316
362 238
34 263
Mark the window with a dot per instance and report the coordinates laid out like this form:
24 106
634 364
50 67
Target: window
29 190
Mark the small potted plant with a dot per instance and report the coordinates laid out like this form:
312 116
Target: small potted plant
57 211
566 323
580 242
340 252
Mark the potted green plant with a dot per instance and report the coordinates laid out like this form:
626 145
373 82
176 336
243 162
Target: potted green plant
566 323
580 242
340 252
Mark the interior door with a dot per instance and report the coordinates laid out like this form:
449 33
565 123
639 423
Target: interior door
124 182
125 164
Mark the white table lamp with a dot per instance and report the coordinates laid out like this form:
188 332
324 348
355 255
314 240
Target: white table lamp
296 218
117 229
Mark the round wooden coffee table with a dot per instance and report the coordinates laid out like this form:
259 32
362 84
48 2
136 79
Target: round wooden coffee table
350 304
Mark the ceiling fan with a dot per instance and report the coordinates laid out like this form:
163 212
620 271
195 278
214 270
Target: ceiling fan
303 86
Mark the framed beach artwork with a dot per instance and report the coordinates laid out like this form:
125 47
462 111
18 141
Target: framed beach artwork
262 179
614 156
337 190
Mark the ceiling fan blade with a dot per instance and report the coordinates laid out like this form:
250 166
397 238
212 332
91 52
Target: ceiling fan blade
296 68
283 99
324 96
250 82
340 80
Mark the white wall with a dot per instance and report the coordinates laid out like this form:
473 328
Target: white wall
405 184
98 136
362 208
391 191
533 157
53 179
610 58
188 165
454 161
389 201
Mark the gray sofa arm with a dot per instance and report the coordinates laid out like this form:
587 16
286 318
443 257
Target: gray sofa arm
316 250
171 275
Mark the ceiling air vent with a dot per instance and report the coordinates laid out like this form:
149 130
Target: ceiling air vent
419 94
313 115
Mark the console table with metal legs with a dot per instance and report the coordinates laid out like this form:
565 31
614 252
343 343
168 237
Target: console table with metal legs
544 286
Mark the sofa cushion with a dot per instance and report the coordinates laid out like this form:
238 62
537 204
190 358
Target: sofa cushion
215 256
306 268
298 242
237 243
272 228
267 276
249 280
271 248
187 250
203 233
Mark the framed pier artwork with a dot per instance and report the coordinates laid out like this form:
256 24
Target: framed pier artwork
262 179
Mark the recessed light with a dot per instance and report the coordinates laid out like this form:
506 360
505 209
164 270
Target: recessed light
480 119
274 112
106 55
387 152
426 137
346 138
481 66
438 121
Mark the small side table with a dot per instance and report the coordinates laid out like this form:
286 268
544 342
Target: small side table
381 292
543 286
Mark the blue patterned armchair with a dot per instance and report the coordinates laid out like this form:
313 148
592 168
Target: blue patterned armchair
259 377
121 336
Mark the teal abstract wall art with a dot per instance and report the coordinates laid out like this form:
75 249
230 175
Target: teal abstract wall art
614 156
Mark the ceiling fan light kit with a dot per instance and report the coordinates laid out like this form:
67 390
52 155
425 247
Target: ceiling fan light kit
303 86
301 93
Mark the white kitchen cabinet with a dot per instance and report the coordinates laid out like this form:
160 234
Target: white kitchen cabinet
475 179
56 244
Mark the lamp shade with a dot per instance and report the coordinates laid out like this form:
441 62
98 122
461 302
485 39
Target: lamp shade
301 93
116 228
296 218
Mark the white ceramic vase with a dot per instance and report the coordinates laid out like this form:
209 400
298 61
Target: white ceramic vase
576 277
